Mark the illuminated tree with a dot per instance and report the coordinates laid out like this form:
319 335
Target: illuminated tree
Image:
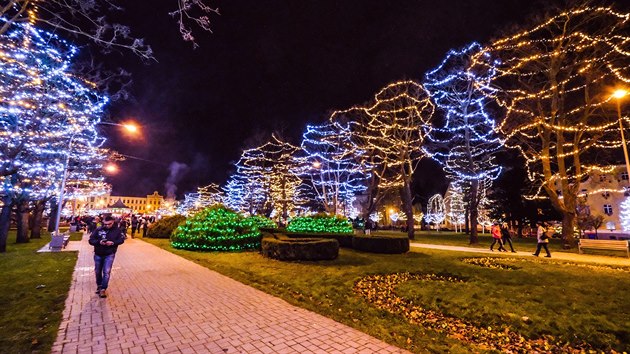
266 180
333 167
554 83
455 208
465 141
391 130
435 211
204 197
48 120
624 214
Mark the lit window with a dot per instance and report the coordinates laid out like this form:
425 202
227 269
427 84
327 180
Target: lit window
608 209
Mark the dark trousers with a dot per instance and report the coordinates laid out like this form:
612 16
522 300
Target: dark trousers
542 245
494 241
508 240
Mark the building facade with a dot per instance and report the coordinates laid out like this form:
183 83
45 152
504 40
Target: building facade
138 205
602 193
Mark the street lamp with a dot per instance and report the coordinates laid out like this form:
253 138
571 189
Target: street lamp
619 94
132 128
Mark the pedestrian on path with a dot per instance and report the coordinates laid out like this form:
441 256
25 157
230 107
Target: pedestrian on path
145 226
134 225
105 240
496 237
543 240
506 237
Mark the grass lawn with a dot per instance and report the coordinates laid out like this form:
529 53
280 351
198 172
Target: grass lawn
533 298
33 289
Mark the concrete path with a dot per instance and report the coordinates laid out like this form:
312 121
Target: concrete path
161 303
564 256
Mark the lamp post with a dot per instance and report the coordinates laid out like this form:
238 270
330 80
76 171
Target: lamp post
130 127
619 94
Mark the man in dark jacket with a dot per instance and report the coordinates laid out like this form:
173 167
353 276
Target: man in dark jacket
105 240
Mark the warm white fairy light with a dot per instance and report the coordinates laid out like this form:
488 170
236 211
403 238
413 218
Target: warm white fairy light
554 83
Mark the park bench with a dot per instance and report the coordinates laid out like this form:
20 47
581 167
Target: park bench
613 245
57 243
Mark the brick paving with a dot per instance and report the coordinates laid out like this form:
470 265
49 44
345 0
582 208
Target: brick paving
161 303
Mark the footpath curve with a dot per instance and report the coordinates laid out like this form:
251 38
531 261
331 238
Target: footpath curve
161 303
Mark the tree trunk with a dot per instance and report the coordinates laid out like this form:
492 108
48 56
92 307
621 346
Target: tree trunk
5 223
407 206
21 214
474 212
568 225
38 215
53 211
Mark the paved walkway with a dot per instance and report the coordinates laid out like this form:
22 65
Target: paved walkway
161 303
564 256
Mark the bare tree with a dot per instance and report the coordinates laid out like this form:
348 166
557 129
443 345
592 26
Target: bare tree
92 19
554 82
391 131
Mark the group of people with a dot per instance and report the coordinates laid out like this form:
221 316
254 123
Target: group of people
501 235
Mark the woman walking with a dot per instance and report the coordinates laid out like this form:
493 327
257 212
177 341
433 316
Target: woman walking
543 240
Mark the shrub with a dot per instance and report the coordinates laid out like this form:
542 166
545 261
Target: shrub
303 249
164 227
320 223
381 244
262 222
216 229
345 240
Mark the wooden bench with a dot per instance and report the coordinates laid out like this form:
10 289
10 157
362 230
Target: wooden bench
605 245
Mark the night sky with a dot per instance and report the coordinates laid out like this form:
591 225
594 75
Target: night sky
277 66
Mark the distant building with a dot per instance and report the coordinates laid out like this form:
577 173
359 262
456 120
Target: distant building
137 205
602 193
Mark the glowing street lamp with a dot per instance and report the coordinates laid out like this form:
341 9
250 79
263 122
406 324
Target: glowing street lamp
111 168
619 94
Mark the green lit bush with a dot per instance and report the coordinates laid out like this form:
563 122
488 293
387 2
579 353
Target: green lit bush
216 229
381 244
303 249
320 223
262 222
164 227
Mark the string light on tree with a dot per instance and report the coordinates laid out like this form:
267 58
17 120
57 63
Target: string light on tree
390 131
435 211
333 167
465 141
553 83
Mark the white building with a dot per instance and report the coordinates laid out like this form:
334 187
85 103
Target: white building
602 194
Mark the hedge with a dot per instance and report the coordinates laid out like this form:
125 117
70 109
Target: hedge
164 227
345 240
302 249
320 223
216 229
381 244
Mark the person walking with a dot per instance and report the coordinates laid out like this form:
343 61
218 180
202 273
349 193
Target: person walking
543 240
134 225
506 237
145 226
496 237
105 240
